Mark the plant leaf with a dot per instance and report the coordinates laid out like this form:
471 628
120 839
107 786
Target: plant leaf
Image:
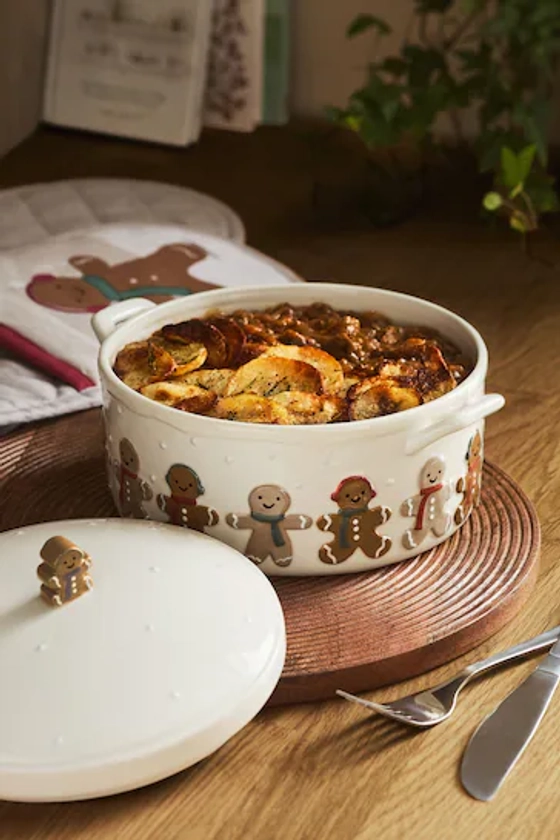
492 201
525 160
509 168
363 22
540 189
353 123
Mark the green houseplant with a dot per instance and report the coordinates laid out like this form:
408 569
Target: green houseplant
495 57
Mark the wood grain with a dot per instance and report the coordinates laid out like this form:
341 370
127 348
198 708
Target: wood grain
329 770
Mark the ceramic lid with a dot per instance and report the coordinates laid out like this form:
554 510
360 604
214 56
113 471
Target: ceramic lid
177 645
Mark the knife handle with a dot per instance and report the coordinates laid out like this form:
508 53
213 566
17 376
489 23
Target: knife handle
551 663
541 642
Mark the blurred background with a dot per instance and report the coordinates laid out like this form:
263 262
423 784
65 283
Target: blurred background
415 76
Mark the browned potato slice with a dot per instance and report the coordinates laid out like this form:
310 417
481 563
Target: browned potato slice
329 368
305 409
175 393
142 362
187 357
214 380
198 402
349 382
377 396
249 408
429 375
436 385
266 376
434 378
200 332
234 337
160 362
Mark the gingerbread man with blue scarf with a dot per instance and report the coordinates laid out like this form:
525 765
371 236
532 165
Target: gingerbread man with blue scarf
355 524
269 522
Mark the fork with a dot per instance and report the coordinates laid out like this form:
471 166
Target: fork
434 705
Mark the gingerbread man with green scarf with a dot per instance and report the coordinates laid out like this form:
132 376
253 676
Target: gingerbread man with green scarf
355 523
269 522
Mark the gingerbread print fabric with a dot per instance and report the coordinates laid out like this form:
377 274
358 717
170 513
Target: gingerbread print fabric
159 276
355 524
182 506
269 523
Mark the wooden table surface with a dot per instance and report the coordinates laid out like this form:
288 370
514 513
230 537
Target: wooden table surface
330 770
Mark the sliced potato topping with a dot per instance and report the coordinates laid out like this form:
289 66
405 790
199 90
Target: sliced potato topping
267 376
330 369
179 395
142 362
376 396
304 408
249 408
215 379
187 357
292 365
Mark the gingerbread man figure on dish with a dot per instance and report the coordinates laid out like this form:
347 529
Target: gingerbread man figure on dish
428 506
355 523
269 523
181 506
132 490
469 485
64 571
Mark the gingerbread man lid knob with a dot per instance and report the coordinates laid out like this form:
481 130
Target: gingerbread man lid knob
64 572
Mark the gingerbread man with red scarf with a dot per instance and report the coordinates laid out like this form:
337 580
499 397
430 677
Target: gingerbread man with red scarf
428 506
132 490
181 506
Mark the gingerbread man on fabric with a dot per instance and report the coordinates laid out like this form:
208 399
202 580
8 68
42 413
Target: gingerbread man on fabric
428 506
470 484
269 522
181 506
159 276
355 523
132 490
64 572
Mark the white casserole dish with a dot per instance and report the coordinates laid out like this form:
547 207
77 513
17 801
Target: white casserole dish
298 499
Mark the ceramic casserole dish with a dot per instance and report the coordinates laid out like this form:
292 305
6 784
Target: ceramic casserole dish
299 500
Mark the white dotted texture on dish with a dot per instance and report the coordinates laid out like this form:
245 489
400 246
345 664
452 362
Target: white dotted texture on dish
177 646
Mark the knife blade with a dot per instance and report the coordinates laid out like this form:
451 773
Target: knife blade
501 738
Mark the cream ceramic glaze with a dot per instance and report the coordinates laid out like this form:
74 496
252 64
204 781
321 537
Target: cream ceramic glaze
136 679
396 454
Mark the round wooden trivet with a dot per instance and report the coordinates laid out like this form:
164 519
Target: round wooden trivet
352 631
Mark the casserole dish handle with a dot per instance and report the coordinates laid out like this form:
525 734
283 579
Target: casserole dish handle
486 405
107 320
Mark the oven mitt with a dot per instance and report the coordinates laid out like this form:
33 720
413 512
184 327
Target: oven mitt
49 291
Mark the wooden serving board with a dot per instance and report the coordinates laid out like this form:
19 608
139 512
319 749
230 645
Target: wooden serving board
351 631
360 632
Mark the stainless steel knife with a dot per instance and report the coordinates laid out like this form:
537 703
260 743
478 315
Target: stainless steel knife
501 738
